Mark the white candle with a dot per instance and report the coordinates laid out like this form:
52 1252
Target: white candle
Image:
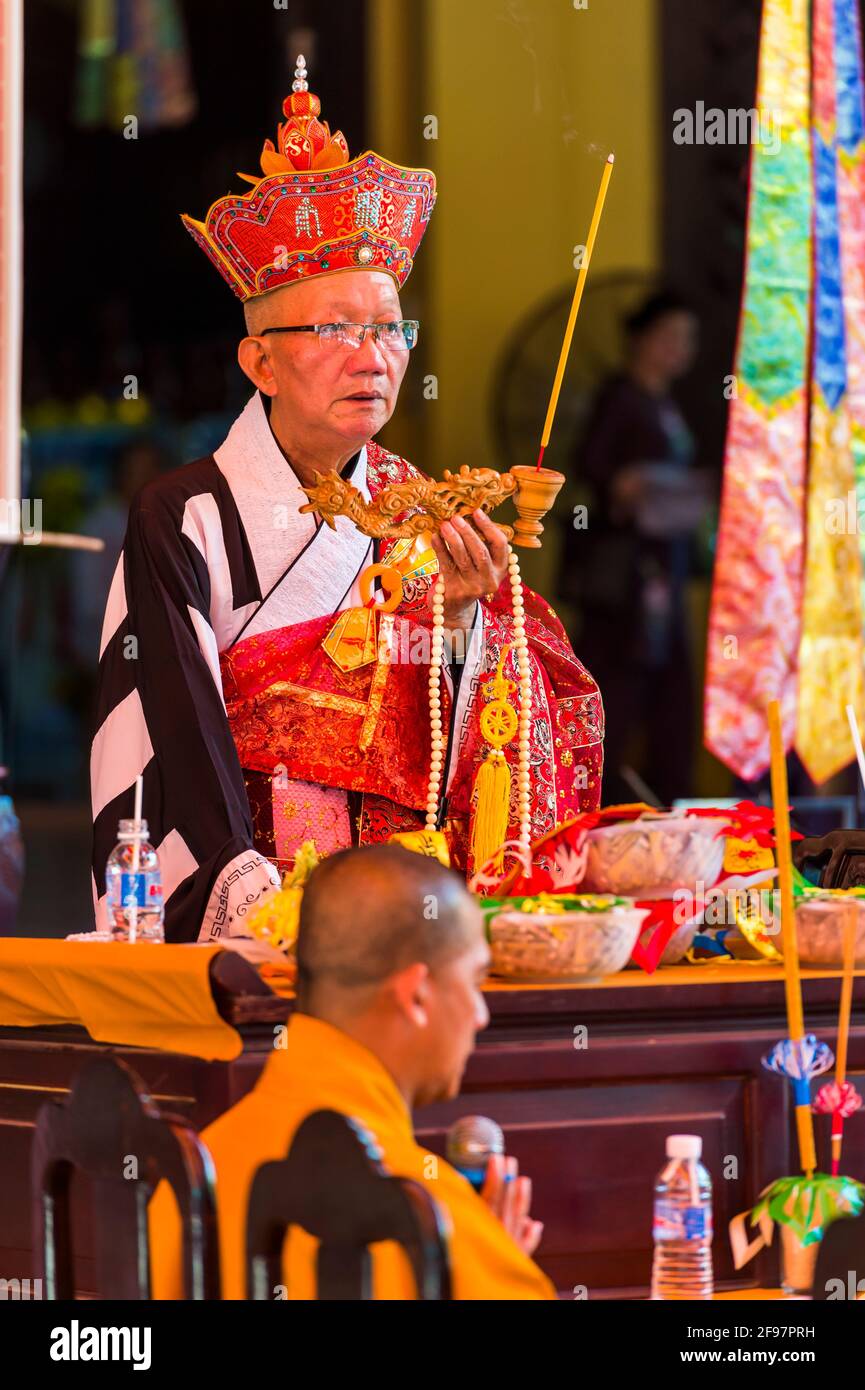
136 854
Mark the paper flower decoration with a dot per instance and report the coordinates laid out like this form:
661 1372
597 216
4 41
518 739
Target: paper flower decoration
832 1099
808 1206
840 1100
799 1060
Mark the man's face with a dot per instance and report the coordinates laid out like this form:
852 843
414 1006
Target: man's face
337 397
456 1012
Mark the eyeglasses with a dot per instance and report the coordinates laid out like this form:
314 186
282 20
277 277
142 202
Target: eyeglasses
393 337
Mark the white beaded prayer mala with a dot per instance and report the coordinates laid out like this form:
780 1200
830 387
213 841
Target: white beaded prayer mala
524 795
435 709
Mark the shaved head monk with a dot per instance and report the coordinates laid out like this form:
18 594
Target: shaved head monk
391 957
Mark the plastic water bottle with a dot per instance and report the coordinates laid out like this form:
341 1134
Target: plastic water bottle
135 907
682 1227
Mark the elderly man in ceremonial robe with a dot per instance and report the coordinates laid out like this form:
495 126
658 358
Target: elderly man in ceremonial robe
243 671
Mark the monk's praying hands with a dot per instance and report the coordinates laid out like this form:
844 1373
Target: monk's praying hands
472 564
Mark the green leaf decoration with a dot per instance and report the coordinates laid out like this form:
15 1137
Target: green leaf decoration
810 1205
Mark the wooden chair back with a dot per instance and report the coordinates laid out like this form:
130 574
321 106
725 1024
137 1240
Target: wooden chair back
334 1186
110 1131
839 857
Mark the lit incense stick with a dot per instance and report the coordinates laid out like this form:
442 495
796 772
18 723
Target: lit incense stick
575 307
792 980
857 742
850 922
851 917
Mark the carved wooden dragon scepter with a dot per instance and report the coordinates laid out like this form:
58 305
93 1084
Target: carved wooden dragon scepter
429 503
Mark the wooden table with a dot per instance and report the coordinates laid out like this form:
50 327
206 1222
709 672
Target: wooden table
586 1081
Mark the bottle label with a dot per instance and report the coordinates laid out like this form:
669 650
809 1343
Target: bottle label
673 1222
140 890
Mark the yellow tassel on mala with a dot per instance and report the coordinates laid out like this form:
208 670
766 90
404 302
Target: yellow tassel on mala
493 783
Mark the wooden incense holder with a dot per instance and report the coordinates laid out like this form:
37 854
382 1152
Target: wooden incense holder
537 490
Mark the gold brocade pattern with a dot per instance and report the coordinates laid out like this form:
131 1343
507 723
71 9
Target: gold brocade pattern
320 698
351 641
432 843
379 681
364 730
830 653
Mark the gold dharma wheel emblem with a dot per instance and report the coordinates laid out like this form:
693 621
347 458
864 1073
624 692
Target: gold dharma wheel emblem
499 723
499 720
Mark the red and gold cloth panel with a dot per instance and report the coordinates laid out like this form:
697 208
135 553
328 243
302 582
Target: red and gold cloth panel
294 714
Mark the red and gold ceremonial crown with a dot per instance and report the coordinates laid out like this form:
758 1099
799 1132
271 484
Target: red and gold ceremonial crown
314 211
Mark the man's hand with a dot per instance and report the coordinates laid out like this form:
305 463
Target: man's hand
509 1197
472 565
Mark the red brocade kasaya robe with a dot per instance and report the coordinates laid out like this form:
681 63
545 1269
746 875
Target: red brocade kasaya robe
265 740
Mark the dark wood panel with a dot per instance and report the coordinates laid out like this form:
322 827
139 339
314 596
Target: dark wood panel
593 1154
16 1252
587 1123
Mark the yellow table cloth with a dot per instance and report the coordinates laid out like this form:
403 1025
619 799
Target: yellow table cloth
159 996
141 995
727 972
750 1296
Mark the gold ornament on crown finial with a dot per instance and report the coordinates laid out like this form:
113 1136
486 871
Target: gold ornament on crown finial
304 143
300 83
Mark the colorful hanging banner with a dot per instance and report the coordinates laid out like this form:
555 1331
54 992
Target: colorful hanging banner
789 591
831 648
755 619
132 63
850 119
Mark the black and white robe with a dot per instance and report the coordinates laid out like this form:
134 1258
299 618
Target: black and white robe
214 550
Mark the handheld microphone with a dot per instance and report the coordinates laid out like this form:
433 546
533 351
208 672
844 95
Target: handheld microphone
471 1142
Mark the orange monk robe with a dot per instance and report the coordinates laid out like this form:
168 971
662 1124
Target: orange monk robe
321 1068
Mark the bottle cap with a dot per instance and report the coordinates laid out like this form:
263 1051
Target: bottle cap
132 830
684 1146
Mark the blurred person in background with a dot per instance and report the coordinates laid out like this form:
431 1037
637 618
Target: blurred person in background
627 572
